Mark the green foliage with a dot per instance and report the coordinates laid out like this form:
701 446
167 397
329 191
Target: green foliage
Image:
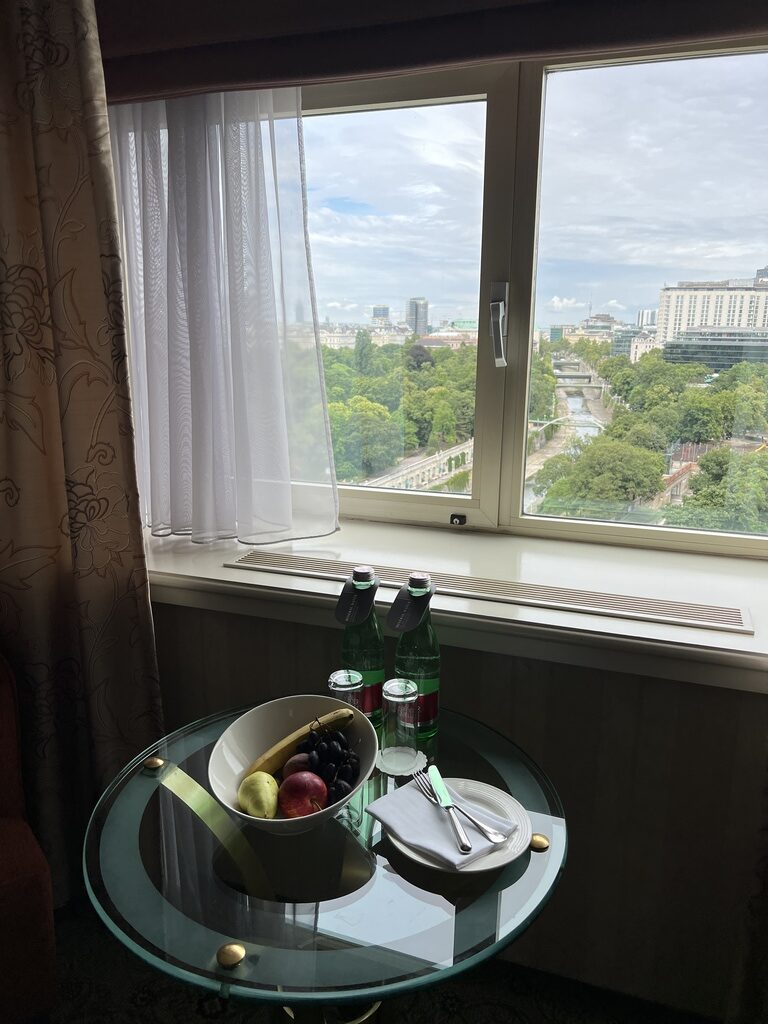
729 493
592 351
363 353
423 400
701 417
606 474
554 469
541 397
459 483
367 439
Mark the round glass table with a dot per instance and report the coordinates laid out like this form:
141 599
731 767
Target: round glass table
333 916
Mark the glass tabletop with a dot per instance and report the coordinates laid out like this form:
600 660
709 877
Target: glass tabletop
337 914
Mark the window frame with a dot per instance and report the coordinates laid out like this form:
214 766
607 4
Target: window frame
497 84
515 96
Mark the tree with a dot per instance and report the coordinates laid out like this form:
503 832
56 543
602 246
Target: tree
646 435
743 409
604 478
443 432
367 440
340 382
417 357
730 492
554 469
363 352
385 390
623 382
541 394
701 419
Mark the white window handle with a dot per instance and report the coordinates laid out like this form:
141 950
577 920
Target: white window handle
499 298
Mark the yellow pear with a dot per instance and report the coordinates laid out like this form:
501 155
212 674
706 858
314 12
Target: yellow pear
257 795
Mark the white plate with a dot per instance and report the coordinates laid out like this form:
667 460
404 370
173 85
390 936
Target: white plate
488 798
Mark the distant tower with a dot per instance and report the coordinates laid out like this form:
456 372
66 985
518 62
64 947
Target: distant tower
417 315
380 315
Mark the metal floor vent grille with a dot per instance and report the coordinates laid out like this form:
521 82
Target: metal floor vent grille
649 609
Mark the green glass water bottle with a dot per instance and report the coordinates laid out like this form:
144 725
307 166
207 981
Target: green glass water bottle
417 655
362 647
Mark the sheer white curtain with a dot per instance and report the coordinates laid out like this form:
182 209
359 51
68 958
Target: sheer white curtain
232 431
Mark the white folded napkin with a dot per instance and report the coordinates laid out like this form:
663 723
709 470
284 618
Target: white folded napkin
418 823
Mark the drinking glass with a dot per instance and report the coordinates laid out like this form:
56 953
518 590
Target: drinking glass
347 685
399 754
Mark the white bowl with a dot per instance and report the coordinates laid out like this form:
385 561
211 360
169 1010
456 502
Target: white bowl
253 733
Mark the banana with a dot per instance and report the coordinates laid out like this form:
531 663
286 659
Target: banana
274 759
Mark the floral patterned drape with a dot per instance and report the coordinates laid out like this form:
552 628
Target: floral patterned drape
75 619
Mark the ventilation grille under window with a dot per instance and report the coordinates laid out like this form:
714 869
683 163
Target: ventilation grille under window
648 609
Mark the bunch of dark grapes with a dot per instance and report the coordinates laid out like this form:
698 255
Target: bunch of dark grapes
331 759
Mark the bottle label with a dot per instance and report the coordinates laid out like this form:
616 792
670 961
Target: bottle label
428 703
355 602
373 680
407 610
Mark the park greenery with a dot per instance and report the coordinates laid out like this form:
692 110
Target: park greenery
390 402
660 407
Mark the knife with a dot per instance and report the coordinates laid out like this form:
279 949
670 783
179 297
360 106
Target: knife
444 799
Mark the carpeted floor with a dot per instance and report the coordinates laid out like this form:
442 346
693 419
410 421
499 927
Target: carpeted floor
102 983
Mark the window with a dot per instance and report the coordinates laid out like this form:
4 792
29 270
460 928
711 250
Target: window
668 430
622 202
395 213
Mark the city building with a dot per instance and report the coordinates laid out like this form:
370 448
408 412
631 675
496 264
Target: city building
632 342
337 338
647 317
417 315
740 303
450 339
601 325
718 348
380 315
464 325
558 332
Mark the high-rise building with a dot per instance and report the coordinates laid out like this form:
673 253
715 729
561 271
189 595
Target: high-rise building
632 342
718 348
647 317
739 303
417 315
380 315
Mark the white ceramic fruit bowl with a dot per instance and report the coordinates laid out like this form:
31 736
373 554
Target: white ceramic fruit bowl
253 733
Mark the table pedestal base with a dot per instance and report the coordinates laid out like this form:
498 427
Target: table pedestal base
317 1014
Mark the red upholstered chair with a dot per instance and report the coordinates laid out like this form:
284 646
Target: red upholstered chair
27 947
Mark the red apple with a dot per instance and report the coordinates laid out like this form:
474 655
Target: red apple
297 763
302 793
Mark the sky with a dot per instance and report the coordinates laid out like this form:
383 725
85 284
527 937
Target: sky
651 174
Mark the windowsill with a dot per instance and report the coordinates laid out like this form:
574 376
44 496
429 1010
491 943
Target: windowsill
189 574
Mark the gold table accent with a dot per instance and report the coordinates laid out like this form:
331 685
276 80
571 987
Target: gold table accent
230 955
539 843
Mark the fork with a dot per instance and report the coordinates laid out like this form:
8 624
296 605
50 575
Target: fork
422 781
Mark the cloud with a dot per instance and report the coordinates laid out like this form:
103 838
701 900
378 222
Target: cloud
558 305
343 204
633 195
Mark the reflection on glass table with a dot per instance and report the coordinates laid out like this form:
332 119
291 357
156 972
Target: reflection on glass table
331 916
